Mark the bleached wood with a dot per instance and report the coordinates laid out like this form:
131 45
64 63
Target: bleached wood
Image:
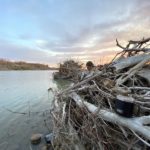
145 73
132 71
135 124
130 61
139 88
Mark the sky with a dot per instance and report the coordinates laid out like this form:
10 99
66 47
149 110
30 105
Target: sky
50 31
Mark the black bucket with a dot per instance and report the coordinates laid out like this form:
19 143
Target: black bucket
124 108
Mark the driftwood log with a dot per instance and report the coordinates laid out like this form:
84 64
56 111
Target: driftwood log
133 70
137 124
131 61
145 73
84 114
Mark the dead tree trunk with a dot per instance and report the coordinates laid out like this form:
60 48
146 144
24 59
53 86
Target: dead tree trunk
130 61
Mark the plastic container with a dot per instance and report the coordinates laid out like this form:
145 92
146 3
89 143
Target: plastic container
124 107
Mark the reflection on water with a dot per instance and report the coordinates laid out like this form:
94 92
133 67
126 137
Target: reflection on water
25 91
62 84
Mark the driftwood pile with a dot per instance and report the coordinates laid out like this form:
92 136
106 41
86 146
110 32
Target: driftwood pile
85 115
68 70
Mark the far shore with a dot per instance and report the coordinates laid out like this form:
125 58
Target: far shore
6 65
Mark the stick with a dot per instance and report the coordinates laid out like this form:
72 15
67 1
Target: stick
80 83
139 42
139 88
132 71
135 124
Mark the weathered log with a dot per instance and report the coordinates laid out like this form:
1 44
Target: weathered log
132 71
145 73
130 61
136 124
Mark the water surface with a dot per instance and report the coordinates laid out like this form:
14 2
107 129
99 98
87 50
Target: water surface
24 92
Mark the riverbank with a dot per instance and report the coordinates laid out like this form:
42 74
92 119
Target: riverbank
20 65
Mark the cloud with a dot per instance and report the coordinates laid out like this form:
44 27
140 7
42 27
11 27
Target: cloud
142 10
100 35
15 52
67 28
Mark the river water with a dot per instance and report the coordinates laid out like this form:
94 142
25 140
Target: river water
25 92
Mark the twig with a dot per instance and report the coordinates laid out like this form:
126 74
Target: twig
141 139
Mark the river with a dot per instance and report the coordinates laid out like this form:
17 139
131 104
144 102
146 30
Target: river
25 92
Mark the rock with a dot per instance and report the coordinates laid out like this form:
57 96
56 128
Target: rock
36 138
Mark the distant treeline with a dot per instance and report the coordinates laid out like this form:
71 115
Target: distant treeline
9 65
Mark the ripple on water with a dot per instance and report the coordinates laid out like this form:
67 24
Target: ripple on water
22 91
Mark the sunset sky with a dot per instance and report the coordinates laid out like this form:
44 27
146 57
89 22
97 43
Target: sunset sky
49 31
